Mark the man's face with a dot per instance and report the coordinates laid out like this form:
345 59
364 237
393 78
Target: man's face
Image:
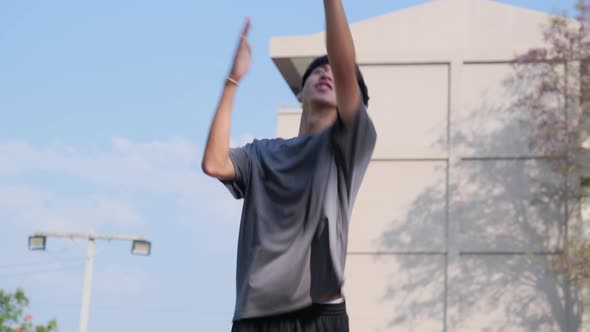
319 87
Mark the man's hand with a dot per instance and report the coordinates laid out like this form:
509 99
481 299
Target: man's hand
243 56
216 160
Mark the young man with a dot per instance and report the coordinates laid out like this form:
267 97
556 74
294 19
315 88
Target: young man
298 193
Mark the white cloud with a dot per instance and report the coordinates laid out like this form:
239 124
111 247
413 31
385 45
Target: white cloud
116 177
52 211
159 166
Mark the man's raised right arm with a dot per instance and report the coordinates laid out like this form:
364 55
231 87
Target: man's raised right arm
216 161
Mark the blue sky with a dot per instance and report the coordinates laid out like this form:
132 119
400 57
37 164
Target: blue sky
104 110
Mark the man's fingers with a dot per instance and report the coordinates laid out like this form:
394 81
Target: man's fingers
246 28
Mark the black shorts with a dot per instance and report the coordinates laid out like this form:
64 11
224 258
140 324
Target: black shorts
316 318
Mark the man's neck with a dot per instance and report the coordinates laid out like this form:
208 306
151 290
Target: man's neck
315 120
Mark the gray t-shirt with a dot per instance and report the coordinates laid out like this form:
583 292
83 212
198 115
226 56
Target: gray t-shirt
298 197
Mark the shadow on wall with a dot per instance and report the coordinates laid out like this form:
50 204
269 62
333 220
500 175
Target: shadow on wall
505 219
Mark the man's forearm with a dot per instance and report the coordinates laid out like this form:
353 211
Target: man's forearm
216 160
339 42
342 58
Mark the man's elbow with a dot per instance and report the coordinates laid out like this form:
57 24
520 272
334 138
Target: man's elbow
216 170
210 169
207 168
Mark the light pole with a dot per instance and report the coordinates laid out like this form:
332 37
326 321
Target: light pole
140 246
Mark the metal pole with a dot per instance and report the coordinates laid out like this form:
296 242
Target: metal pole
87 286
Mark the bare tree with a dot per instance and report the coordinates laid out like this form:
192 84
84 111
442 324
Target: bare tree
559 97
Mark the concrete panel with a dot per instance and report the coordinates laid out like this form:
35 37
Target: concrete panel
506 293
409 106
399 202
288 123
506 205
395 293
488 123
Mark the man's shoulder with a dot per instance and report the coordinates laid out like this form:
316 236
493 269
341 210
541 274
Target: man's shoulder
265 143
259 146
278 142
280 146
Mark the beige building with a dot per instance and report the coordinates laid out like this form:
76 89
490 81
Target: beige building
464 239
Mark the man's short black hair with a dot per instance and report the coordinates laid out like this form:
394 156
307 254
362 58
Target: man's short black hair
323 60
